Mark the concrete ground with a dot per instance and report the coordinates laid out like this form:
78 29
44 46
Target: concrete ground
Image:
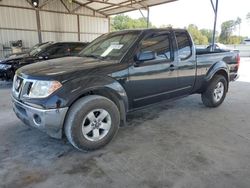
179 144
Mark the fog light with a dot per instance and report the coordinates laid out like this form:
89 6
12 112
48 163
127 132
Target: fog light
37 119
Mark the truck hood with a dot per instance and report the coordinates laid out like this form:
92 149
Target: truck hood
14 59
64 68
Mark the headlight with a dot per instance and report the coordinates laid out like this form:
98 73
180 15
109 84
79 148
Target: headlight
5 66
42 89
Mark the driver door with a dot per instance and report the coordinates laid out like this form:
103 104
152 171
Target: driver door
151 81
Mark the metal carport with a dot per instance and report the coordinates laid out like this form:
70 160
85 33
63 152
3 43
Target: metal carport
58 20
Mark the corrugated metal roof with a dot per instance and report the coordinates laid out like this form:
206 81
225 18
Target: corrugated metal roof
105 7
111 7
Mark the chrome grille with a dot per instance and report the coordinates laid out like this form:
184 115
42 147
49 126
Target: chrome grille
21 87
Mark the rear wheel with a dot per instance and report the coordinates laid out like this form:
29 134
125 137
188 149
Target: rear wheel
215 92
92 122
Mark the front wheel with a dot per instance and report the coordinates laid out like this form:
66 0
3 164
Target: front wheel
215 92
92 122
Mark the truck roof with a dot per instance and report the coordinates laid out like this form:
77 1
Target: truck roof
149 30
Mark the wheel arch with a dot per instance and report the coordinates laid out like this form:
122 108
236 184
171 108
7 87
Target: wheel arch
113 92
219 68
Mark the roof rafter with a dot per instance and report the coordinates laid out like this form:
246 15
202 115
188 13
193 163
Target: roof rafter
45 3
29 3
65 6
120 5
86 6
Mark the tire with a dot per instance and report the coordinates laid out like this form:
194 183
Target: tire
210 97
84 122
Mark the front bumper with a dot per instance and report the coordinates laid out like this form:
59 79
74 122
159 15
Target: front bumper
47 120
5 74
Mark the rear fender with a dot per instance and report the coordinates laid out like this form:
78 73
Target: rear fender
218 68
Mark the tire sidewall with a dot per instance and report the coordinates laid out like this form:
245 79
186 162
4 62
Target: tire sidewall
81 111
213 86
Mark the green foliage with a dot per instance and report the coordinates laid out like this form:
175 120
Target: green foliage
200 36
238 21
197 35
227 29
121 22
209 34
235 40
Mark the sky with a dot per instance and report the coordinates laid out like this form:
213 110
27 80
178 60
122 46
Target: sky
199 12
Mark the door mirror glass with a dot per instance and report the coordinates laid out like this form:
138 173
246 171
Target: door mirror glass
145 56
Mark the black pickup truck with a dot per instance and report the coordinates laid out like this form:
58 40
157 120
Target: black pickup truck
86 98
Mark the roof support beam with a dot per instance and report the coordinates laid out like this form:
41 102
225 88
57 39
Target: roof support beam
140 3
45 3
86 6
145 17
75 9
29 3
65 6
215 8
143 7
120 5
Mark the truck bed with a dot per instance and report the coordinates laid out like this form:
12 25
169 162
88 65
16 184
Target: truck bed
231 57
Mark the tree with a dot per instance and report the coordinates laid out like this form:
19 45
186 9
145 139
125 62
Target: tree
209 34
227 29
196 34
248 16
238 23
121 22
235 40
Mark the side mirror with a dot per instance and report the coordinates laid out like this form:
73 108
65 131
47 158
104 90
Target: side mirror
145 56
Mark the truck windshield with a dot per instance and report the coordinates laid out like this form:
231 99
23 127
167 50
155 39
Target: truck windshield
110 46
36 51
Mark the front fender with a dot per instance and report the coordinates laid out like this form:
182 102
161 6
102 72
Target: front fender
74 89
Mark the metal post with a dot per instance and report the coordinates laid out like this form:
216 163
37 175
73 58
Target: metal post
215 8
78 28
38 26
148 18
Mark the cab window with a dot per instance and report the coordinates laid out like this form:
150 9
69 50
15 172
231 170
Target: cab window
159 44
184 45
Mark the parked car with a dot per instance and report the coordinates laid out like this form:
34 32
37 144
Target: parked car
246 41
87 97
12 55
50 50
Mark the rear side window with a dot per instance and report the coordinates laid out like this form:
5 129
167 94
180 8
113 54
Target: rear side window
160 44
184 45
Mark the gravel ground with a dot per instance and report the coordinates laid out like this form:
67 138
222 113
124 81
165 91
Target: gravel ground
179 144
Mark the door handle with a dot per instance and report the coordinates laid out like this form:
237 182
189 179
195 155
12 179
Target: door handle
171 68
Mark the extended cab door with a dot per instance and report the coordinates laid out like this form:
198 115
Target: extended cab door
153 80
186 62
